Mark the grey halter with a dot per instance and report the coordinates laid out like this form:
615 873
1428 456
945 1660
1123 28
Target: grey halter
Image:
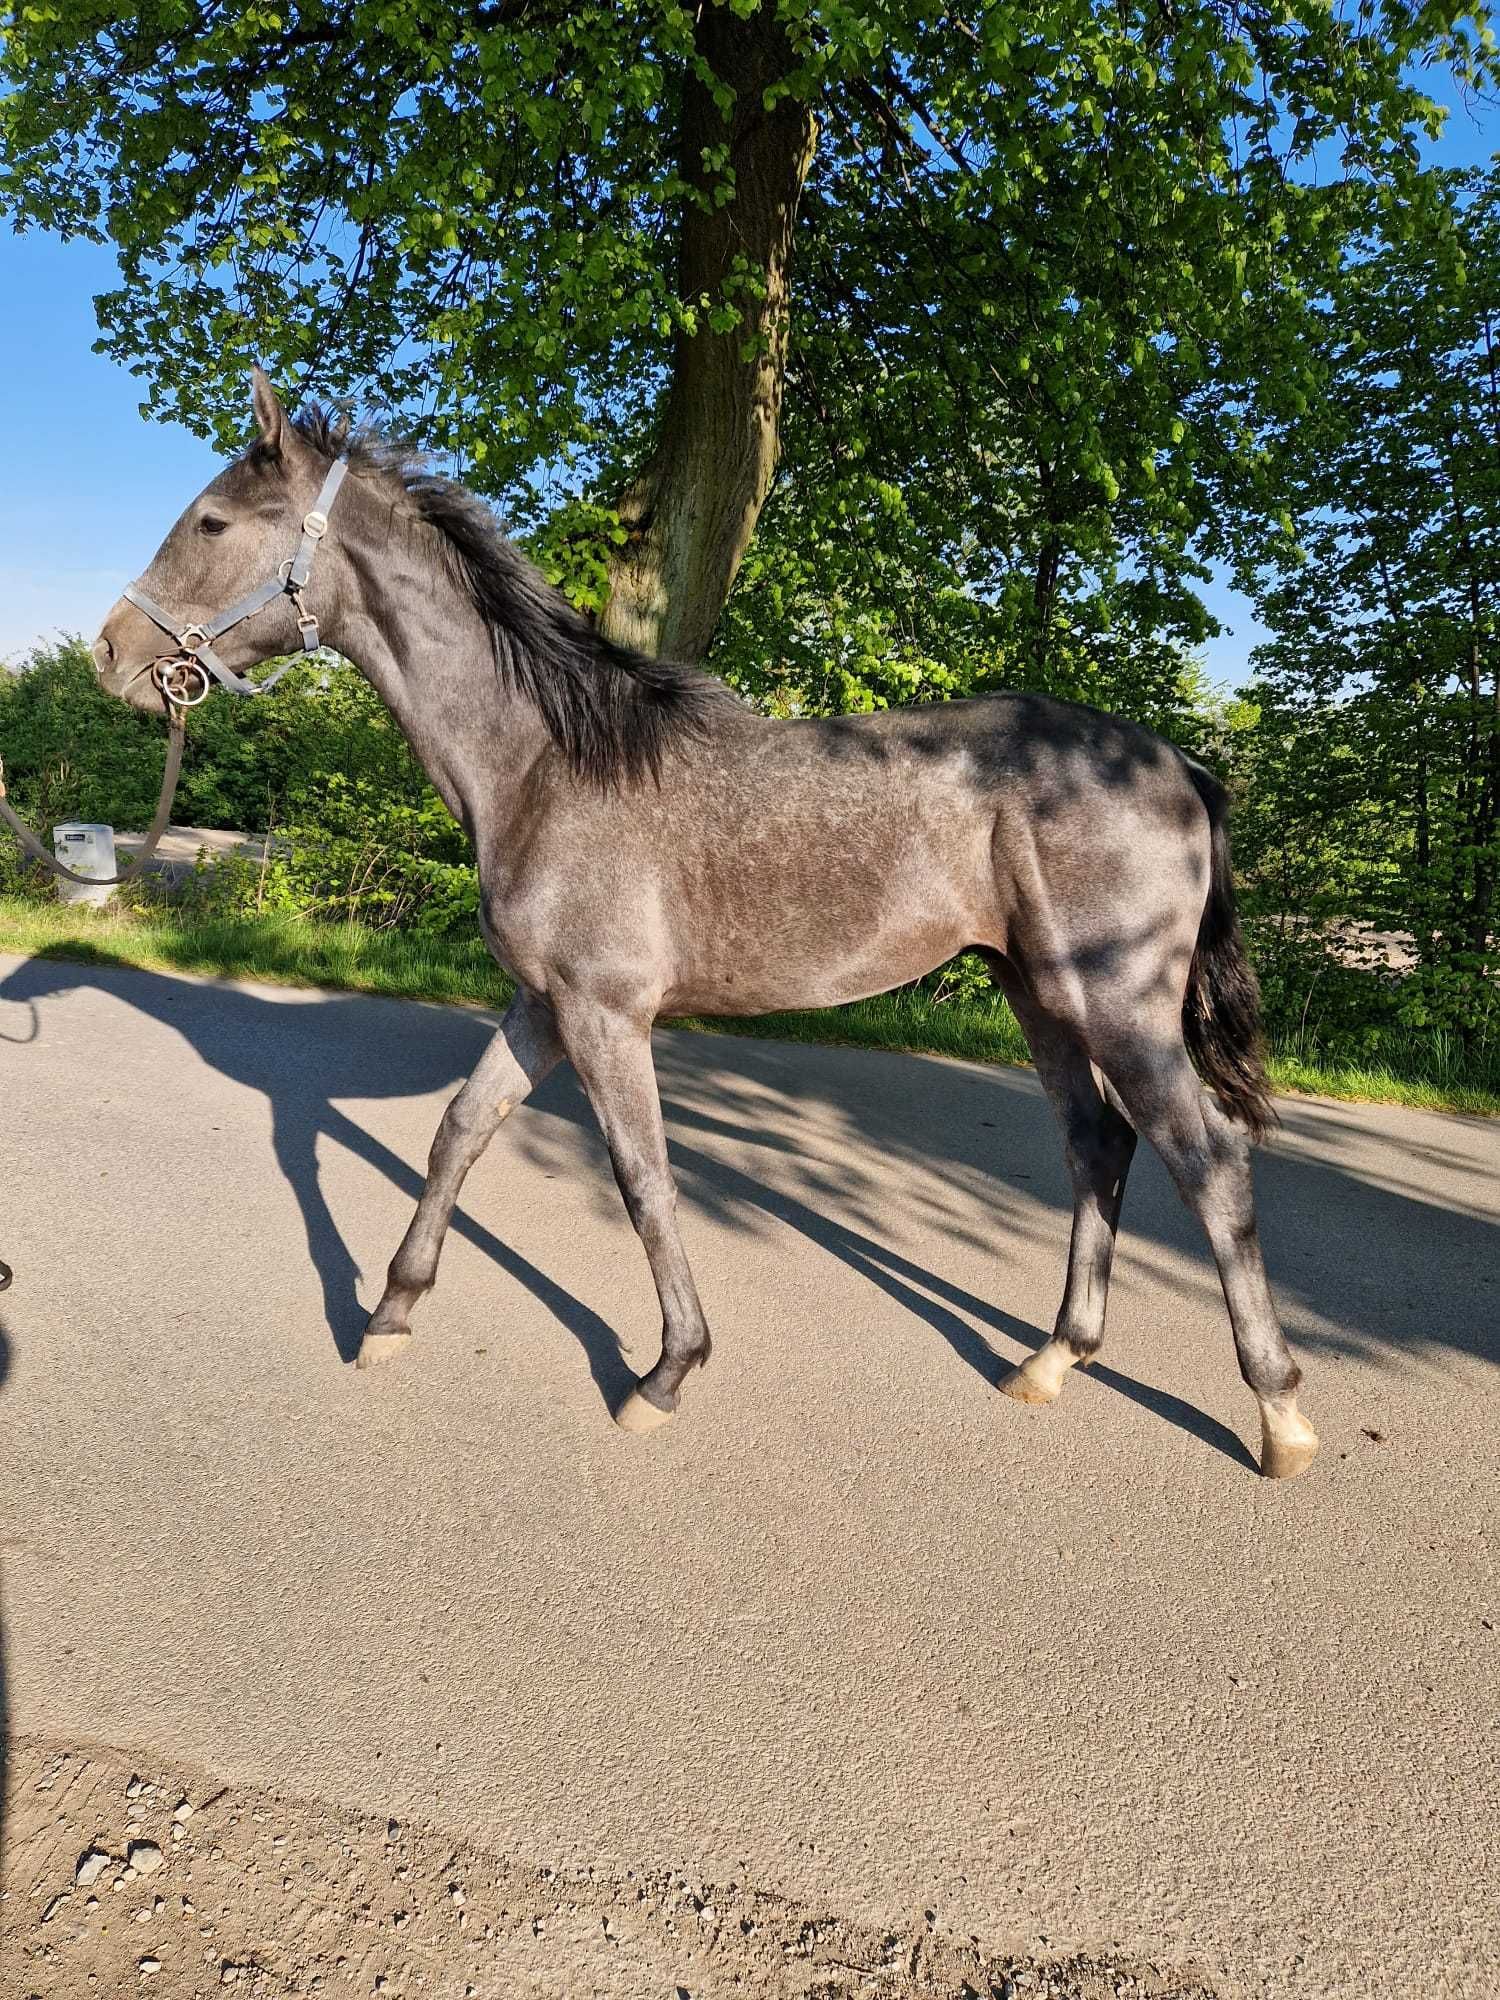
197 655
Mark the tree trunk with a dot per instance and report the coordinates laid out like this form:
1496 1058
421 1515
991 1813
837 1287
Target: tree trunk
693 507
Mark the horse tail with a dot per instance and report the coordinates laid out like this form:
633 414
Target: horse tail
1221 1021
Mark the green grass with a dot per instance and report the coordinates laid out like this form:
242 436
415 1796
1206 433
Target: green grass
1430 1072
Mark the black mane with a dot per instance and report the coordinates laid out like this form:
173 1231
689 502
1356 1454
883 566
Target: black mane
613 712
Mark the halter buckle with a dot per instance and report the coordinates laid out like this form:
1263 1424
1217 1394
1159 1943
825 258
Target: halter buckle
315 525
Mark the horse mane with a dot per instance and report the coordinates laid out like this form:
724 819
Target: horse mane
613 712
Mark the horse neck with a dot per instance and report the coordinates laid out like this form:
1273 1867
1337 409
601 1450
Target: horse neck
420 641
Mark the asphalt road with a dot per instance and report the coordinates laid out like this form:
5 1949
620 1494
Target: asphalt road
855 1628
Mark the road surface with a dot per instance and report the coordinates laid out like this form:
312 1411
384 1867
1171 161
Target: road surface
855 1631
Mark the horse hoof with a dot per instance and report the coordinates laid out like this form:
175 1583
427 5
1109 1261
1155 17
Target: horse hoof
376 1348
1024 1388
1284 1458
637 1414
1288 1442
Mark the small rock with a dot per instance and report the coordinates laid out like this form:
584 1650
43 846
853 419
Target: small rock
144 1856
228 1974
176 1835
134 1789
150 1965
182 1812
53 1907
458 1895
91 1865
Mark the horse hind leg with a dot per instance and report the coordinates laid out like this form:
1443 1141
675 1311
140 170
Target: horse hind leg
1099 1145
1208 1156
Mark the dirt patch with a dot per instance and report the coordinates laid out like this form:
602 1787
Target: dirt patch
120 1881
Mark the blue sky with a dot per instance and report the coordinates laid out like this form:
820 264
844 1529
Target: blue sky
88 488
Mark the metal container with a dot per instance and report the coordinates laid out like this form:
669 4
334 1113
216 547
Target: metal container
90 850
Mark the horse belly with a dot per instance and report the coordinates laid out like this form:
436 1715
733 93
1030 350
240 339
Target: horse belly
851 939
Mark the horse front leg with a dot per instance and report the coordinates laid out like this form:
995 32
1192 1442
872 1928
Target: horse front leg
612 1055
525 1049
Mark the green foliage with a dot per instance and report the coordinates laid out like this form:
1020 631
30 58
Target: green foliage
359 832
71 751
1031 248
1370 782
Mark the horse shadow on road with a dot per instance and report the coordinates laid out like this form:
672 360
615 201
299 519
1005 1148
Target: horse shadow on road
993 1131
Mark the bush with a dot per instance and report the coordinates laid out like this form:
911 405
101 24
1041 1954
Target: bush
361 834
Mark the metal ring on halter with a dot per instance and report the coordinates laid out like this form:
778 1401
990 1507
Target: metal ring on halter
171 677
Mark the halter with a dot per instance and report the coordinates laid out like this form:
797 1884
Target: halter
196 653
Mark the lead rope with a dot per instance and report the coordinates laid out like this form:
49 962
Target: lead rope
35 849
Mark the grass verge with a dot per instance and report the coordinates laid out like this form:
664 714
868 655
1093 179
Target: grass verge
295 952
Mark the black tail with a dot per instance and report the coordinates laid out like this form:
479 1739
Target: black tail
1221 1008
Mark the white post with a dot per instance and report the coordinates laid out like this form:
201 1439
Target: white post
90 850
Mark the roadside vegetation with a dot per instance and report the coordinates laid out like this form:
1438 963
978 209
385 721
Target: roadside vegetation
954 1013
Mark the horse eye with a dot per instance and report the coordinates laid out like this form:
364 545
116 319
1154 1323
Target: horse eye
212 525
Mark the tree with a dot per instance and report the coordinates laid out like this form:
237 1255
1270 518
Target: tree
1381 683
588 250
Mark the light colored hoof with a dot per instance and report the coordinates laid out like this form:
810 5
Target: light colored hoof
1284 1458
377 1348
638 1415
1040 1377
1022 1387
1288 1442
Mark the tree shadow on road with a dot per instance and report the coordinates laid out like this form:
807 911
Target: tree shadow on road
986 1134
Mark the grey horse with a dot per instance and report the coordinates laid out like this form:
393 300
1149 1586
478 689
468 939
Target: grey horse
648 845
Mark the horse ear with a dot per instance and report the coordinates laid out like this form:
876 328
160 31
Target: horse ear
269 414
